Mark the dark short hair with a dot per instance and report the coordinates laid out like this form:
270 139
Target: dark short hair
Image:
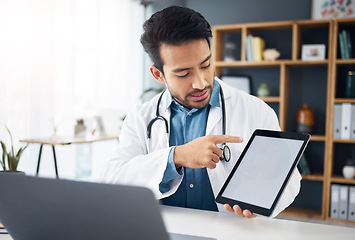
173 26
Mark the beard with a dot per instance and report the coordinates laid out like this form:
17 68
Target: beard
194 104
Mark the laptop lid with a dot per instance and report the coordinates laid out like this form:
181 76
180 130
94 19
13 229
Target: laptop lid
34 208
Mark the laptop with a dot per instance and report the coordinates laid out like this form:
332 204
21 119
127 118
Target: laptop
33 208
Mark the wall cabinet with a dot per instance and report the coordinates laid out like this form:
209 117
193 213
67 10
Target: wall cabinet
294 82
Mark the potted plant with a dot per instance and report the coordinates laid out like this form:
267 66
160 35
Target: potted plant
10 157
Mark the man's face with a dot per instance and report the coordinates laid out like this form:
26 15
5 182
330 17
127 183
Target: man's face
188 72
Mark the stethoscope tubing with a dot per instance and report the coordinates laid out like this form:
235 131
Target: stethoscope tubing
225 148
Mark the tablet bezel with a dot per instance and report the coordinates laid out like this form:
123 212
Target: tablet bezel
264 133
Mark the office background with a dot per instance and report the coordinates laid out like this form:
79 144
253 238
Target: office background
67 59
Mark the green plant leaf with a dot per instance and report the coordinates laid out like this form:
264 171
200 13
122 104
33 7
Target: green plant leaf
12 159
4 154
20 151
12 144
11 162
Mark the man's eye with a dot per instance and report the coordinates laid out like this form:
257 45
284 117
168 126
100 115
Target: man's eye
183 75
206 66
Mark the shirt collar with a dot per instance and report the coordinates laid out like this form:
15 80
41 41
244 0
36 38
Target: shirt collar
214 100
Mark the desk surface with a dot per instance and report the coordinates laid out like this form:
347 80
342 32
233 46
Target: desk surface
225 226
68 140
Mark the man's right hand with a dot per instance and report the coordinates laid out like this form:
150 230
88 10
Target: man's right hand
202 152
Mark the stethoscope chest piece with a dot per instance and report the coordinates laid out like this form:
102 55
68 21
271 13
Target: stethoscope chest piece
226 156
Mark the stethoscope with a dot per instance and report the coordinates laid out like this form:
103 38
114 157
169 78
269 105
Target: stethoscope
226 156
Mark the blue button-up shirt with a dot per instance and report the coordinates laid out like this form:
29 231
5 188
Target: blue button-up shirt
195 190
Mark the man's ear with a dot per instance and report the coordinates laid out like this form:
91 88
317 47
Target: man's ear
158 75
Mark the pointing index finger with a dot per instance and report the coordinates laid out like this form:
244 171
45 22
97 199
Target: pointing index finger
226 139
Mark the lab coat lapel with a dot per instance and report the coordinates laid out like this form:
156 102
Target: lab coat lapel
163 138
215 114
214 117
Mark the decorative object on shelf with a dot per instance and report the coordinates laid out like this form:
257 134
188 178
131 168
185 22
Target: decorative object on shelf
80 128
349 170
240 82
350 85
229 49
10 157
271 54
313 52
330 9
263 90
305 119
303 166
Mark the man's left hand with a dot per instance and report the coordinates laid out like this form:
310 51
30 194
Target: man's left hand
237 210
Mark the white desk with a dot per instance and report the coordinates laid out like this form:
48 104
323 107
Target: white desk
63 141
225 226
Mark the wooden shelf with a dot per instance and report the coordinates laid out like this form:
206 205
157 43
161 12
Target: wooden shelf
313 177
276 63
270 99
307 63
344 140
345 61
243 64
344 100
318 138
254 26
341 179
301 212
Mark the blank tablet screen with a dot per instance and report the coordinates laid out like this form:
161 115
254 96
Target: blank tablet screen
263 170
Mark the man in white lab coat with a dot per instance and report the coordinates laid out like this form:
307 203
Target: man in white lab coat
183 168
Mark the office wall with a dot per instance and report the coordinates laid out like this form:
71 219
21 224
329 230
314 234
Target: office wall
241 11
219 12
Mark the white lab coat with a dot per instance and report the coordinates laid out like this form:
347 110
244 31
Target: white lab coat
131 164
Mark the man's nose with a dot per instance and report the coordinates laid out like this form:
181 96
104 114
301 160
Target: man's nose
198 81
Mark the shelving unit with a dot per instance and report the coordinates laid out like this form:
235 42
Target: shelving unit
296 82
338 67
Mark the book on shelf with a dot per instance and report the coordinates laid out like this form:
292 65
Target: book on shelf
345 44
348 39
342 46
249 48
258 48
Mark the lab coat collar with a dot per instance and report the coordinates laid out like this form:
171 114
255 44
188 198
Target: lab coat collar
215 115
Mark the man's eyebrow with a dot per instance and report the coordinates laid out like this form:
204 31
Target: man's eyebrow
207 58
184 69
180 70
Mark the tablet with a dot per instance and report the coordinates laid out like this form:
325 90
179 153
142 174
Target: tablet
262 171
